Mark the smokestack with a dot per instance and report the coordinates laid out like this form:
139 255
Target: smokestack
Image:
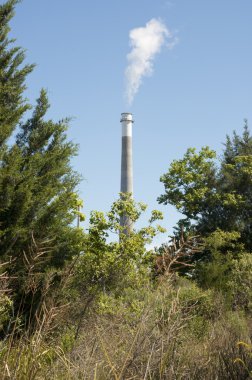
126 162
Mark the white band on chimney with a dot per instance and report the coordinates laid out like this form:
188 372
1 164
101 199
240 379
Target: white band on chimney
127 129
127 121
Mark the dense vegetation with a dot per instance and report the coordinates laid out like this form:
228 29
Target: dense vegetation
76 305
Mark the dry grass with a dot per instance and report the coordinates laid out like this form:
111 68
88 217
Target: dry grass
176 331
163 343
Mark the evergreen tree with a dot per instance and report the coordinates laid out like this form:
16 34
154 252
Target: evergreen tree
38 198
12 77
12 103
236 182
40 194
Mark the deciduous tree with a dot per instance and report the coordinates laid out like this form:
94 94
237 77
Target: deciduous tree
214 193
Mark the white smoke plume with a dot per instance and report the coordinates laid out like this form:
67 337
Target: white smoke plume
146 42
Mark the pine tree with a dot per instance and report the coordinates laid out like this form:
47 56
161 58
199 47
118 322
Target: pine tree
12 103
236 180
41 200
38 198
12 77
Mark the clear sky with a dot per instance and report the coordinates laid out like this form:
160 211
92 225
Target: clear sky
200 90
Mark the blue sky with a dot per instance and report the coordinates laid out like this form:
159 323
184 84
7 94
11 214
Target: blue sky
200 90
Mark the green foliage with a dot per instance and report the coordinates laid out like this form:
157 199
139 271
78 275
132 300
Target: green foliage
228 270
38 197
200 308
213 195
222 240
127 302
239 283
220 249
5 310
12 76
175 330
58 283
105 264
190 183
201 302
39 191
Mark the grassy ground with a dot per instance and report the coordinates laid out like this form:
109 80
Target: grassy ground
175 331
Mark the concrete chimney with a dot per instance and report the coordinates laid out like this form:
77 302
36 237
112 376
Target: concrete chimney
126 161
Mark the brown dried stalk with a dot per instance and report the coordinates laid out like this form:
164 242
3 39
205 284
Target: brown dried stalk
178 254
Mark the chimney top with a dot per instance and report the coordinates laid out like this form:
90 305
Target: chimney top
127 116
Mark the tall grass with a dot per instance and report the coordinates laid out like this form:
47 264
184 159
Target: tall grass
170 330
173 336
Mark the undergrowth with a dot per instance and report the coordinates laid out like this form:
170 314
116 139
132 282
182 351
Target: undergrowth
171 330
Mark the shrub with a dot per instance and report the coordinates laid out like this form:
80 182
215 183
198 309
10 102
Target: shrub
240 282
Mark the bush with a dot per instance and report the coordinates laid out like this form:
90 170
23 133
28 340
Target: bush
240 282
